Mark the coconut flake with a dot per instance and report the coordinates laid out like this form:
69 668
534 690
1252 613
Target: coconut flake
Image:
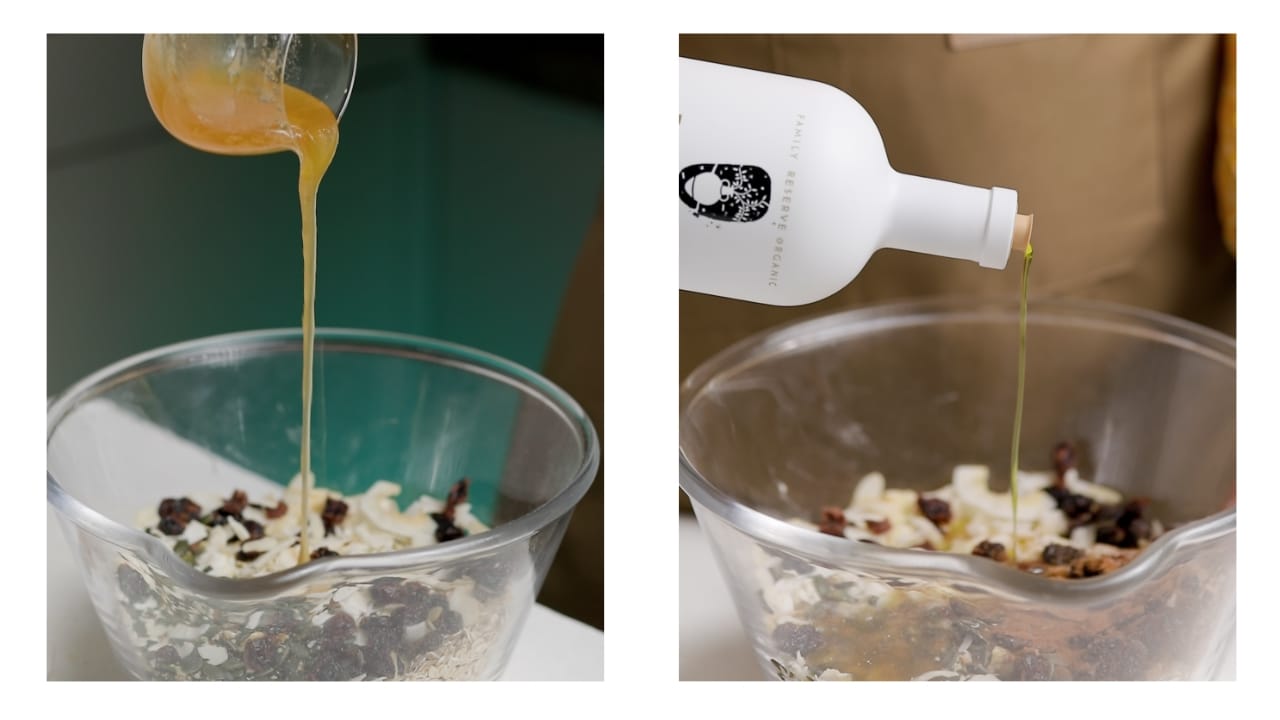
213 654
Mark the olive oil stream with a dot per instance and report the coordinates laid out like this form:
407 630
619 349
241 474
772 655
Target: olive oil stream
1017 408
311 131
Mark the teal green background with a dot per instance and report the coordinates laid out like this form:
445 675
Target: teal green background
455 208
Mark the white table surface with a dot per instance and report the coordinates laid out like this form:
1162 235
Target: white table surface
550 647
712 643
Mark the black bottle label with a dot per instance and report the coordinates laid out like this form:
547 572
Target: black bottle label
732 193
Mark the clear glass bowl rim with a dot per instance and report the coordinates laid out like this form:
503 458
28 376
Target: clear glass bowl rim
369 341
994 577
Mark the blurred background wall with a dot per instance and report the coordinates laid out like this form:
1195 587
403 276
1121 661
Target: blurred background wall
467 172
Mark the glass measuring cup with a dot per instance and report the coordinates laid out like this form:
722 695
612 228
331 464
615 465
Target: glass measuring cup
225 93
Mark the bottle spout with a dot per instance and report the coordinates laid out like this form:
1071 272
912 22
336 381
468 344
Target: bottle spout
1022 232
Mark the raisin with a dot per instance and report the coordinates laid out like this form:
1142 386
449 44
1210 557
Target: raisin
322 552
166 656
1117 658
457 495
383 632
278 511
1139 529
263 652
182 509
1113 535
416 594
235 505
792 638
445 529
248 555
1055 554
379 663
1074 506
993 550
879 527
172 525
832 521
450 622
936 510
1064 459
339 628
386 590
335 511
256 531
340 662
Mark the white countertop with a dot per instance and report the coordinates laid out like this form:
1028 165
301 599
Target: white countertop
712 643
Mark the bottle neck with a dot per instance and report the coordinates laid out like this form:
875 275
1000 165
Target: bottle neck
943 218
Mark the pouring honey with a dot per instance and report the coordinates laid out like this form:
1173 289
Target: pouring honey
231 95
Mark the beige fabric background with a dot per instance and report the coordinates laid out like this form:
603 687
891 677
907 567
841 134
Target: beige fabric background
1107 139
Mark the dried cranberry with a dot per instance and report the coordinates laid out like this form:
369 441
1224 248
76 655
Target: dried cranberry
938 511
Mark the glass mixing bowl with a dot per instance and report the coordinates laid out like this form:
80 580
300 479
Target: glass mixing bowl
788 421
223 413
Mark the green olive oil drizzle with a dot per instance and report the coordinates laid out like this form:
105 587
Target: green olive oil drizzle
1017 409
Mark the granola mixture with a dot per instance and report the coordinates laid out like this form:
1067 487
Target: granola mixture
235 538
431 625
833 624
1067 527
